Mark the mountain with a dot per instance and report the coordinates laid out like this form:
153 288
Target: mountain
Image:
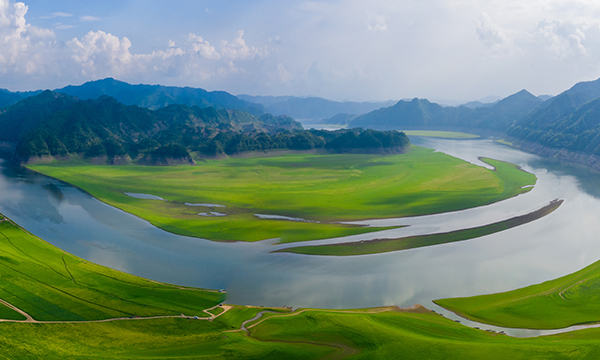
9 97
568 122
340 119
26 115
312 107
559 107
158 96
56 124
423 114
103 130
476 104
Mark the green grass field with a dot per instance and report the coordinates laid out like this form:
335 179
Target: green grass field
318 188
441 134
52 285
311 334
378 246
49 283
569 300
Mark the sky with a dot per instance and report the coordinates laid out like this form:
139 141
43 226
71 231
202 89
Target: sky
447 51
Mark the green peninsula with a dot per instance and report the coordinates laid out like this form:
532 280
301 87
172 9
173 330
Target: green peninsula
305 195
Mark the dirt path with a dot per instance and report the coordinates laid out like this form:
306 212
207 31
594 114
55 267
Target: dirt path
226 308
30 319
343 350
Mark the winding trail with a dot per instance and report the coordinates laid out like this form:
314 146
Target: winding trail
342 350
30 319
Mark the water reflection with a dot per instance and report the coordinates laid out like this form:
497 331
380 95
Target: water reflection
555 245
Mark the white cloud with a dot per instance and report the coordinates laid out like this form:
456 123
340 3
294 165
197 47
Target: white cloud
87 18
376 23
567 38
490 34
55 15
203 48
237 48
99 54
61 26
29 52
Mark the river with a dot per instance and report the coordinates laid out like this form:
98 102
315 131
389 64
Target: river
558 244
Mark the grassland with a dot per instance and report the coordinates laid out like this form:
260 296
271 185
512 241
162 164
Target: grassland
441 134
58 292
307 334
569 300
51 285
377 246
321 189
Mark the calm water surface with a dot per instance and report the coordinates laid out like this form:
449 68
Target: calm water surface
555 245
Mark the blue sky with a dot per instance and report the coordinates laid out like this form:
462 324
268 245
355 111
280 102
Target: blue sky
451 50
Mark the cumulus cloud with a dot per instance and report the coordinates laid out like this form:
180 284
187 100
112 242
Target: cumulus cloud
100 54
490 34
29 50
237 48
566 38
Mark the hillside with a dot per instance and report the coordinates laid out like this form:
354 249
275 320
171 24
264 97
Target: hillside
158 96
58 125
569 121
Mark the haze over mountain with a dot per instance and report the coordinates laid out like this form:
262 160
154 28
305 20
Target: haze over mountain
566 126
422 114
312 107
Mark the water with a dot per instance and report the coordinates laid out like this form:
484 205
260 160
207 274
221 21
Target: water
558 244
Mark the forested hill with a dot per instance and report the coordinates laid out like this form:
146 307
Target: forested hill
158 96
569 121
422 114
58 125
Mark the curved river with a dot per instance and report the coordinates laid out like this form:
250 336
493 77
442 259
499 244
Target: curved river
558 244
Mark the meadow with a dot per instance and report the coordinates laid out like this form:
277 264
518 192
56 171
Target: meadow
307 334
51 285
318 191
569 300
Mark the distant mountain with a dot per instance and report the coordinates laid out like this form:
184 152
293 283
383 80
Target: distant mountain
422 114
476 104
158 96
312 107
340 119
545 97
9 97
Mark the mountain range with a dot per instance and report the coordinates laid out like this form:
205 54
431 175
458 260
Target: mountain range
53 125
312 107
566 126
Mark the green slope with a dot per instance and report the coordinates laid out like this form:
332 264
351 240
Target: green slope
569 300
